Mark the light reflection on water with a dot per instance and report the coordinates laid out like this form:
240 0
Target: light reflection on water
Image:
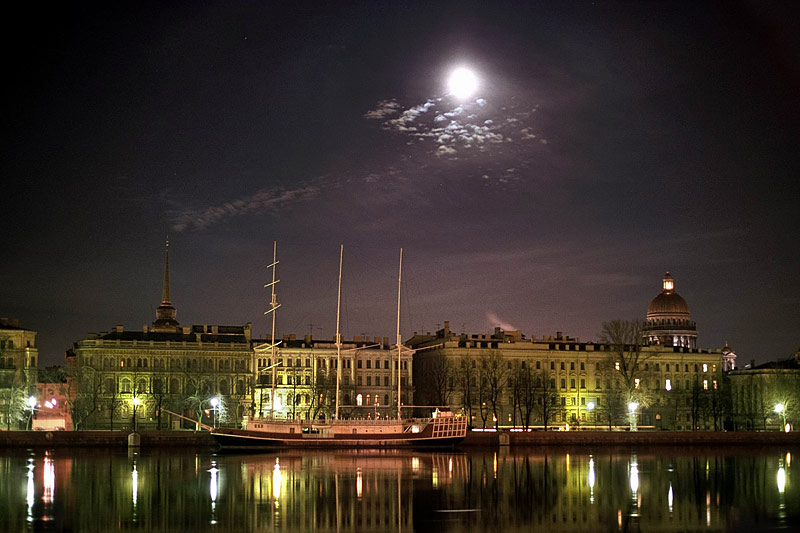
509 490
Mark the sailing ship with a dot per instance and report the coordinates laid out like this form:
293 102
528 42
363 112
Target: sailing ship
441 428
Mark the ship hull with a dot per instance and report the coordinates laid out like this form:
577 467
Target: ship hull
433 435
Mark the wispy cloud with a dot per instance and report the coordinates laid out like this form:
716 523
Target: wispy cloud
263 200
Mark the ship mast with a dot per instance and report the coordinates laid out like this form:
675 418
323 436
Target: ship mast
273 306
399 339
338 335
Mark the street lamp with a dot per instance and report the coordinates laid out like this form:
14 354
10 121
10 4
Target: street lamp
781 410
590 408
632 406
136 402
214 404
30 403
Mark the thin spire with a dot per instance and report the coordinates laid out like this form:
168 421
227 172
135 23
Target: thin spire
166 315
165 293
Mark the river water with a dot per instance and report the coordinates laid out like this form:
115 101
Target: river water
546 489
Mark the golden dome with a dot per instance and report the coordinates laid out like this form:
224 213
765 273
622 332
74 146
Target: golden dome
669 304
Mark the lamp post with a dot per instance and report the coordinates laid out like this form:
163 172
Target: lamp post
214 404
632 406
30 403
136 402
589 410
781 410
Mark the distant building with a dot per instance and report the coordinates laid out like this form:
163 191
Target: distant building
52 408
563 380
165 367
765 395
19 359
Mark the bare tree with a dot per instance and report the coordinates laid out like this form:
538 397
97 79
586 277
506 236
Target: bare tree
523 390
439 379
625 356
467 383
496 376
546 398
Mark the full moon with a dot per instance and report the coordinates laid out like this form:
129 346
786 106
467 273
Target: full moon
462 83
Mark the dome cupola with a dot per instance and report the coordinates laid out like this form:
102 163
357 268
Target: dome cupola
669 321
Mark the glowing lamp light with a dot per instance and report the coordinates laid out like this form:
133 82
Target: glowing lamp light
214 402
632 406
590 406
779 408
668 385
137 401
30 402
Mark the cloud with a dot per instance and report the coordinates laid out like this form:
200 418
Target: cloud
466 129
264 200
494 320
384 109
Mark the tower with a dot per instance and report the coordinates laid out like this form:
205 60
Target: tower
166 314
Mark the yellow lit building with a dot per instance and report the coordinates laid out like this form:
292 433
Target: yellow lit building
19 360
569 381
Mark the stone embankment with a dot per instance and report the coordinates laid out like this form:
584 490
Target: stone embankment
104 439
755 439
577 439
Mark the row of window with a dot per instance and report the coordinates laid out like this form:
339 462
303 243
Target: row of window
328 363
175 364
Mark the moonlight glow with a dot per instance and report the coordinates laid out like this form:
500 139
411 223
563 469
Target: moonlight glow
462 83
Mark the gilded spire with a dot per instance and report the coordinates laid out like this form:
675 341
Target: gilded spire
165 293
166 315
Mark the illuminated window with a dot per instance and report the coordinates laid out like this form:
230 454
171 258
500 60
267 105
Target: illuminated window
616 365
705 367
715 384
636 383
358 399
668 384
705 384
368 396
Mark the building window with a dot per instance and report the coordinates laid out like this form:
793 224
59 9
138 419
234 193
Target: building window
705 367
572 383
369 379
616 365
562 365
705 384
636 382
583 367
358 382
668 384
563 383
572 366
386 381
369 363
359 399
386 364
552 365
583 383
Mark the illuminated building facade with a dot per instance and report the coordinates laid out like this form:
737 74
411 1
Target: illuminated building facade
766 396
19 360
163 367
303 378
677 386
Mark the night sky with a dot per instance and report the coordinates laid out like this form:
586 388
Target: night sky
606 143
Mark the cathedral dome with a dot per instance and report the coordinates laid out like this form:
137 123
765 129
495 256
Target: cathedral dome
669 304
669 322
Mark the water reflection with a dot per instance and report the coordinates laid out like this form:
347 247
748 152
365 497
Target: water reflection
398 491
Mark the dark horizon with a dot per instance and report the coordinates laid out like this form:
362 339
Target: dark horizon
605 145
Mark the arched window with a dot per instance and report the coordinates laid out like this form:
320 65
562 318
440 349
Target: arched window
158 386
125 386
240 387
385 399
174 386
358 399
223 387
109 386
142 387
